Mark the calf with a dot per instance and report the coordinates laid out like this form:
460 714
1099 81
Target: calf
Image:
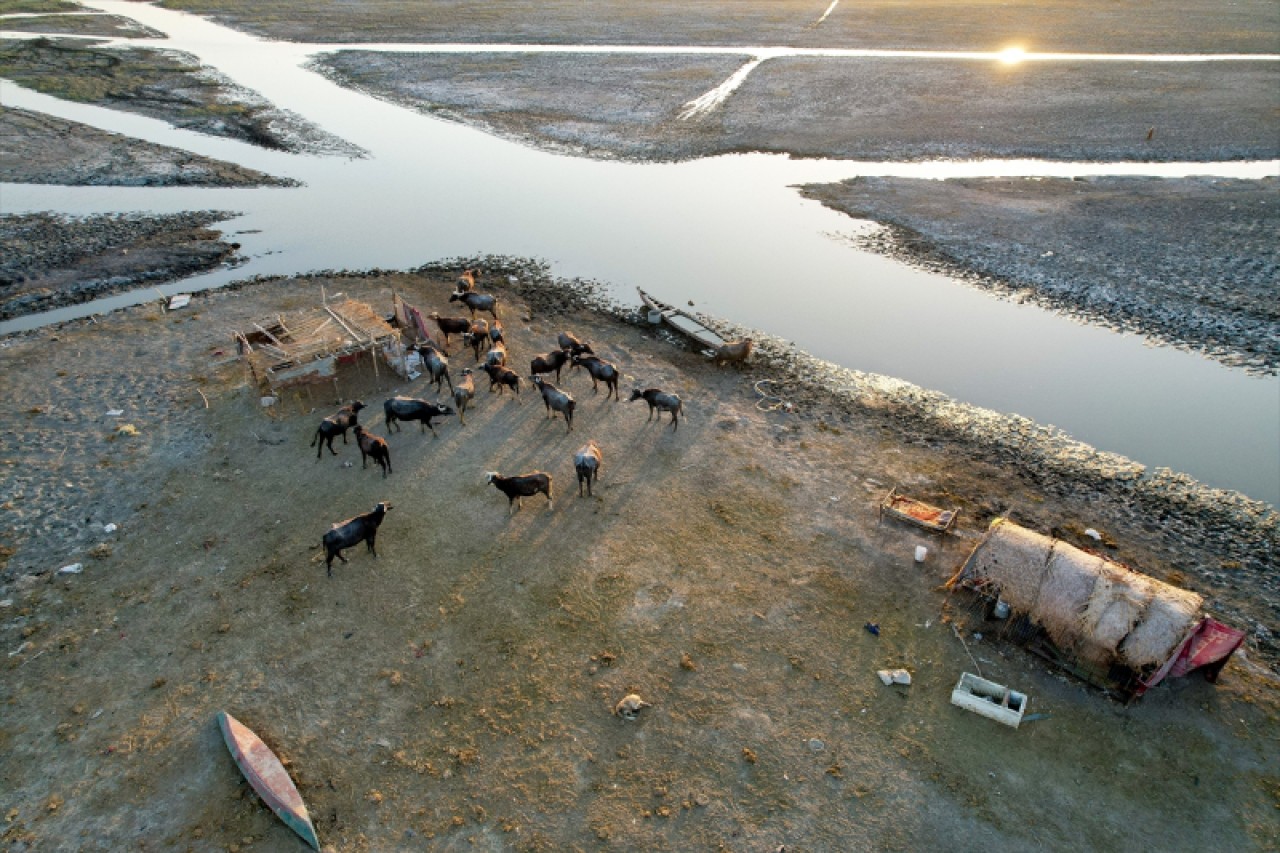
436 364
568 341
587 462
523 486
353 531
495 331
463 393
496 356
601 371
476 301
556 400
451 326
502 378
467 280
413 409
375 447
553 360
477 336
335 425
733 352
660 400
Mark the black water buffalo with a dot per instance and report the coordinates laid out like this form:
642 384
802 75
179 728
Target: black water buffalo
335 425
353 531
413 409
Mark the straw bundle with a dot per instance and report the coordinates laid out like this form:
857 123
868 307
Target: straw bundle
1068 586
1118 601
1096 609
1013 559
1170 615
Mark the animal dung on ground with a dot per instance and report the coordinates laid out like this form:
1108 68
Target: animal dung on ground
628 708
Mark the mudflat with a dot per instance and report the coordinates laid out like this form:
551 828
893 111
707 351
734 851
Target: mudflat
458 689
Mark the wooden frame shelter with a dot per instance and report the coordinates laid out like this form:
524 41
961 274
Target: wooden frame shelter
304 347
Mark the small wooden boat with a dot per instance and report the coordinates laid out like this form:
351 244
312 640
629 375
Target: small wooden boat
917 512
682 321
267 776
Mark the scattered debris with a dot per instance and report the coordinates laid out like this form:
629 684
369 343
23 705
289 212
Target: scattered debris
179 300
873 629
629 706
916 512
894 676
72 569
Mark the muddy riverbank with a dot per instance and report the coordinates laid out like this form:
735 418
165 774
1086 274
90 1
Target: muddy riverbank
1191 262
36 148
161 84
456 691
723 570
52 261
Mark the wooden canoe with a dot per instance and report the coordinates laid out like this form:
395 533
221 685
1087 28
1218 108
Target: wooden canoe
917 512
682 321
267 776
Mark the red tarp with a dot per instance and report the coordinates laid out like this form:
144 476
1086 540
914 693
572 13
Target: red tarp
1209 644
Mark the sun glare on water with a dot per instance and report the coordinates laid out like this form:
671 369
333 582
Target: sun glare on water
1012 55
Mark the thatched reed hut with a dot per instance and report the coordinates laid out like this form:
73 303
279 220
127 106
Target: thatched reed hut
1114 626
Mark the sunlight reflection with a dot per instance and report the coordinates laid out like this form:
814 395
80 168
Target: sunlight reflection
1012 55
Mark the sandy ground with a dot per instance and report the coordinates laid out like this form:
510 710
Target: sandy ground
457 691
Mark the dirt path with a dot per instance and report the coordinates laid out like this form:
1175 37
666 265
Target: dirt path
457 691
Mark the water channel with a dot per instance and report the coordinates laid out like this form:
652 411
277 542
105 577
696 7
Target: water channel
729 233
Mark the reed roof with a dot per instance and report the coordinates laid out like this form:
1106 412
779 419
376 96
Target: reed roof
1095 608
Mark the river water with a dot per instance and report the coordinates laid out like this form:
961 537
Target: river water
729 233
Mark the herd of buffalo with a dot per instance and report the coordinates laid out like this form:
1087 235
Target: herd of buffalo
485 338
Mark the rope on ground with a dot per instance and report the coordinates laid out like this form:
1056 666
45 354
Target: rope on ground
771 402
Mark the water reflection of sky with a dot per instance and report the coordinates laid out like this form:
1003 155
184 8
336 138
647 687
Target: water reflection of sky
729 233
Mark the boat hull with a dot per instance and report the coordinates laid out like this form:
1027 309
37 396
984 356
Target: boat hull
267 776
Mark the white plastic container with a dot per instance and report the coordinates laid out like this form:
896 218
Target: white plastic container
921 553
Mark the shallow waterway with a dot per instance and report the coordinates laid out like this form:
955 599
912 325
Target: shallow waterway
729 233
